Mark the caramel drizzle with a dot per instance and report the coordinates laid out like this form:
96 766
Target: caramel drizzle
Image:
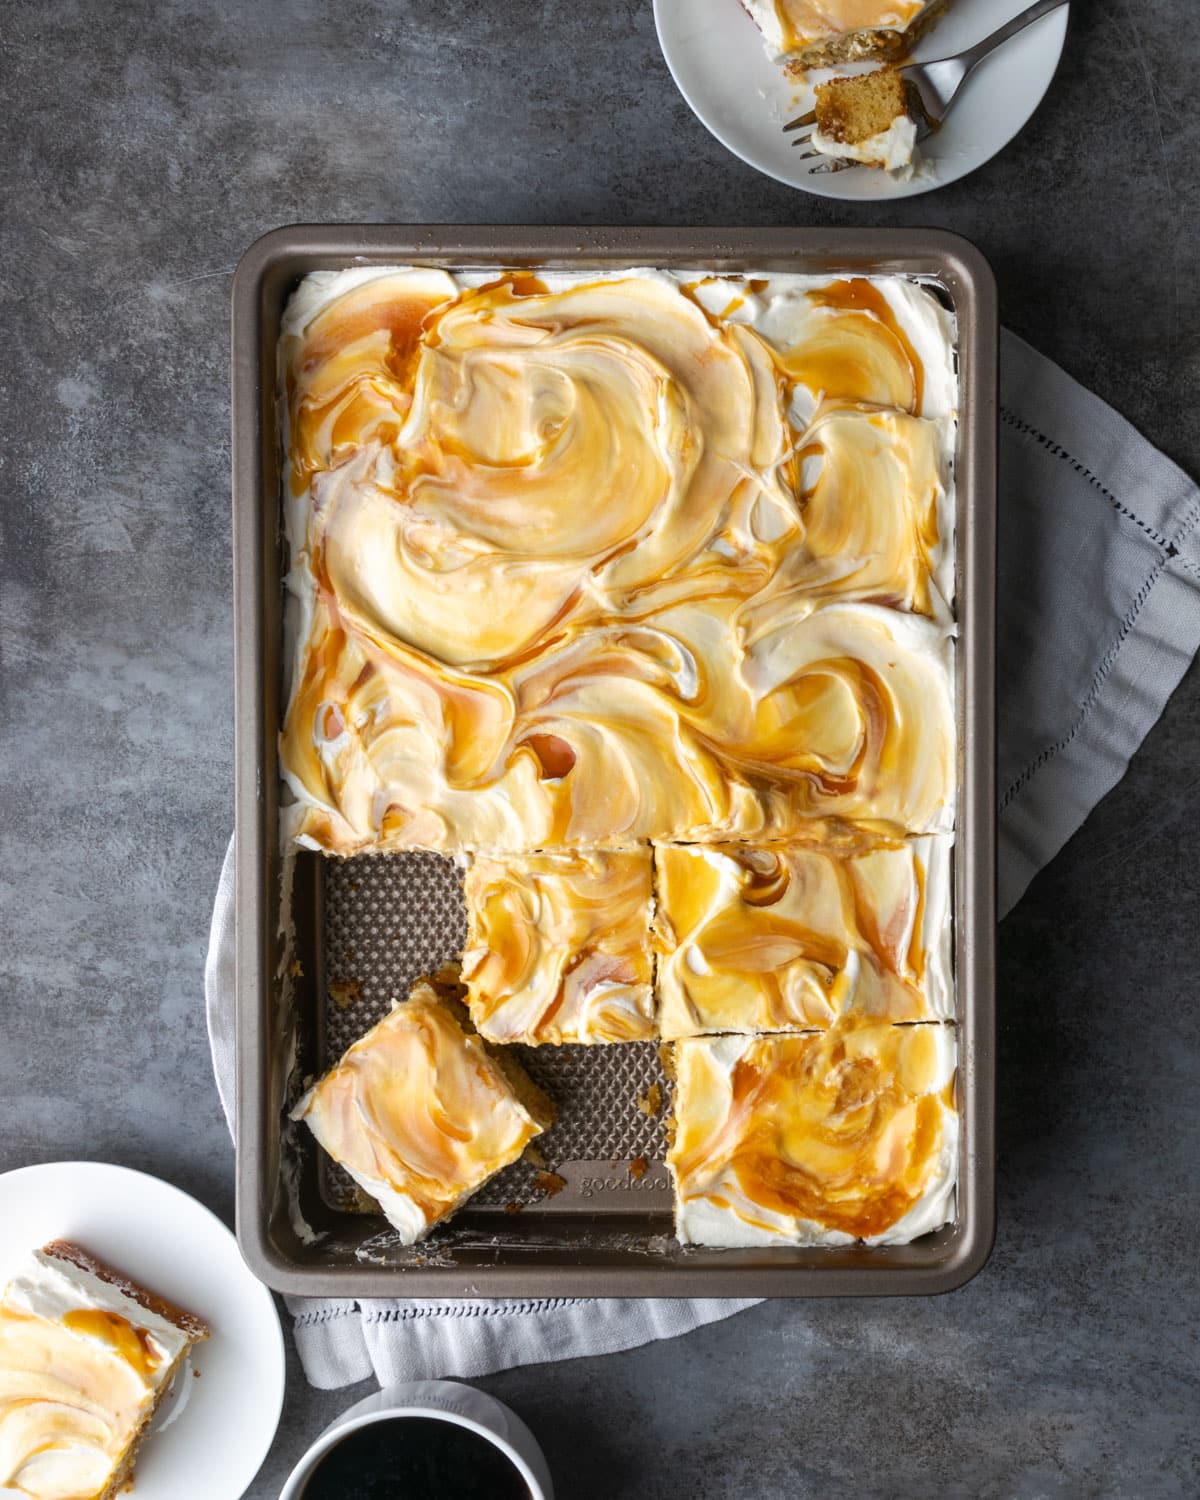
860 296
136 1346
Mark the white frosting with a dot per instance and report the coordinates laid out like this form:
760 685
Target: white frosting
405 1217
49 1288
891 149
766 18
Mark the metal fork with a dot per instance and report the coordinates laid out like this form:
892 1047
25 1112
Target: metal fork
937 84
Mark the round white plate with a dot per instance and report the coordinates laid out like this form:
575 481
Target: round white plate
716 57
215 1427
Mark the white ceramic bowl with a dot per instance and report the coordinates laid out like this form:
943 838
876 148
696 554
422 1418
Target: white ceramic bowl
444 1400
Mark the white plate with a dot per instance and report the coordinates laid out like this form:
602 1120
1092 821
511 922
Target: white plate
716 57
213 1432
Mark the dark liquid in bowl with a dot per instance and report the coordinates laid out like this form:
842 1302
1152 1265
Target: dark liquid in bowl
415 1458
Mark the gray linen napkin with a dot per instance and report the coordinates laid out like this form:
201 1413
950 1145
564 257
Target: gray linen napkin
1099 617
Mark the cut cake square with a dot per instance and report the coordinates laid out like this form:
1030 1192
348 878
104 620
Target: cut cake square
558 947
790 937
421 1113
818 1139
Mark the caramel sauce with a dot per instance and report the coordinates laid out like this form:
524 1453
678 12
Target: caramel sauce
526 284
549 1183
760 944
860 296
689 290
916 945
134 1345
392 328
512 284
554 755
351 319
767 877
806 21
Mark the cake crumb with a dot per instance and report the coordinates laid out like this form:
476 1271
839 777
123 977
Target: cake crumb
534 1157
550 1183
296 969
651 1101
513 1207
195 1374
637 1167
344 992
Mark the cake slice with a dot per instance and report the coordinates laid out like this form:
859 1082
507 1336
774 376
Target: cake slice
421 1113
821 1139
558 947
805 34
791 937
869 118
86 1357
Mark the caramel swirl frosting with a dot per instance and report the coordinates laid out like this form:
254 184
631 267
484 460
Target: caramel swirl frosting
791 26
558 947
421 1115
791 937
814 1139
586 561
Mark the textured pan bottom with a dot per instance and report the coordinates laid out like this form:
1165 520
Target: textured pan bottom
390 918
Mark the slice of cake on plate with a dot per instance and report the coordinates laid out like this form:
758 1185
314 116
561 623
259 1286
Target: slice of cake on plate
819 1139
558 947
421 1113
86 1357
805 34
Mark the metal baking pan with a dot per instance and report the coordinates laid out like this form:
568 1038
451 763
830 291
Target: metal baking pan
312 933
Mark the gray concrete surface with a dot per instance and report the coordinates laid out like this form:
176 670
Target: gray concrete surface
145 145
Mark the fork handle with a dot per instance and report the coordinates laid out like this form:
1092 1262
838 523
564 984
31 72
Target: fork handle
1018 23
